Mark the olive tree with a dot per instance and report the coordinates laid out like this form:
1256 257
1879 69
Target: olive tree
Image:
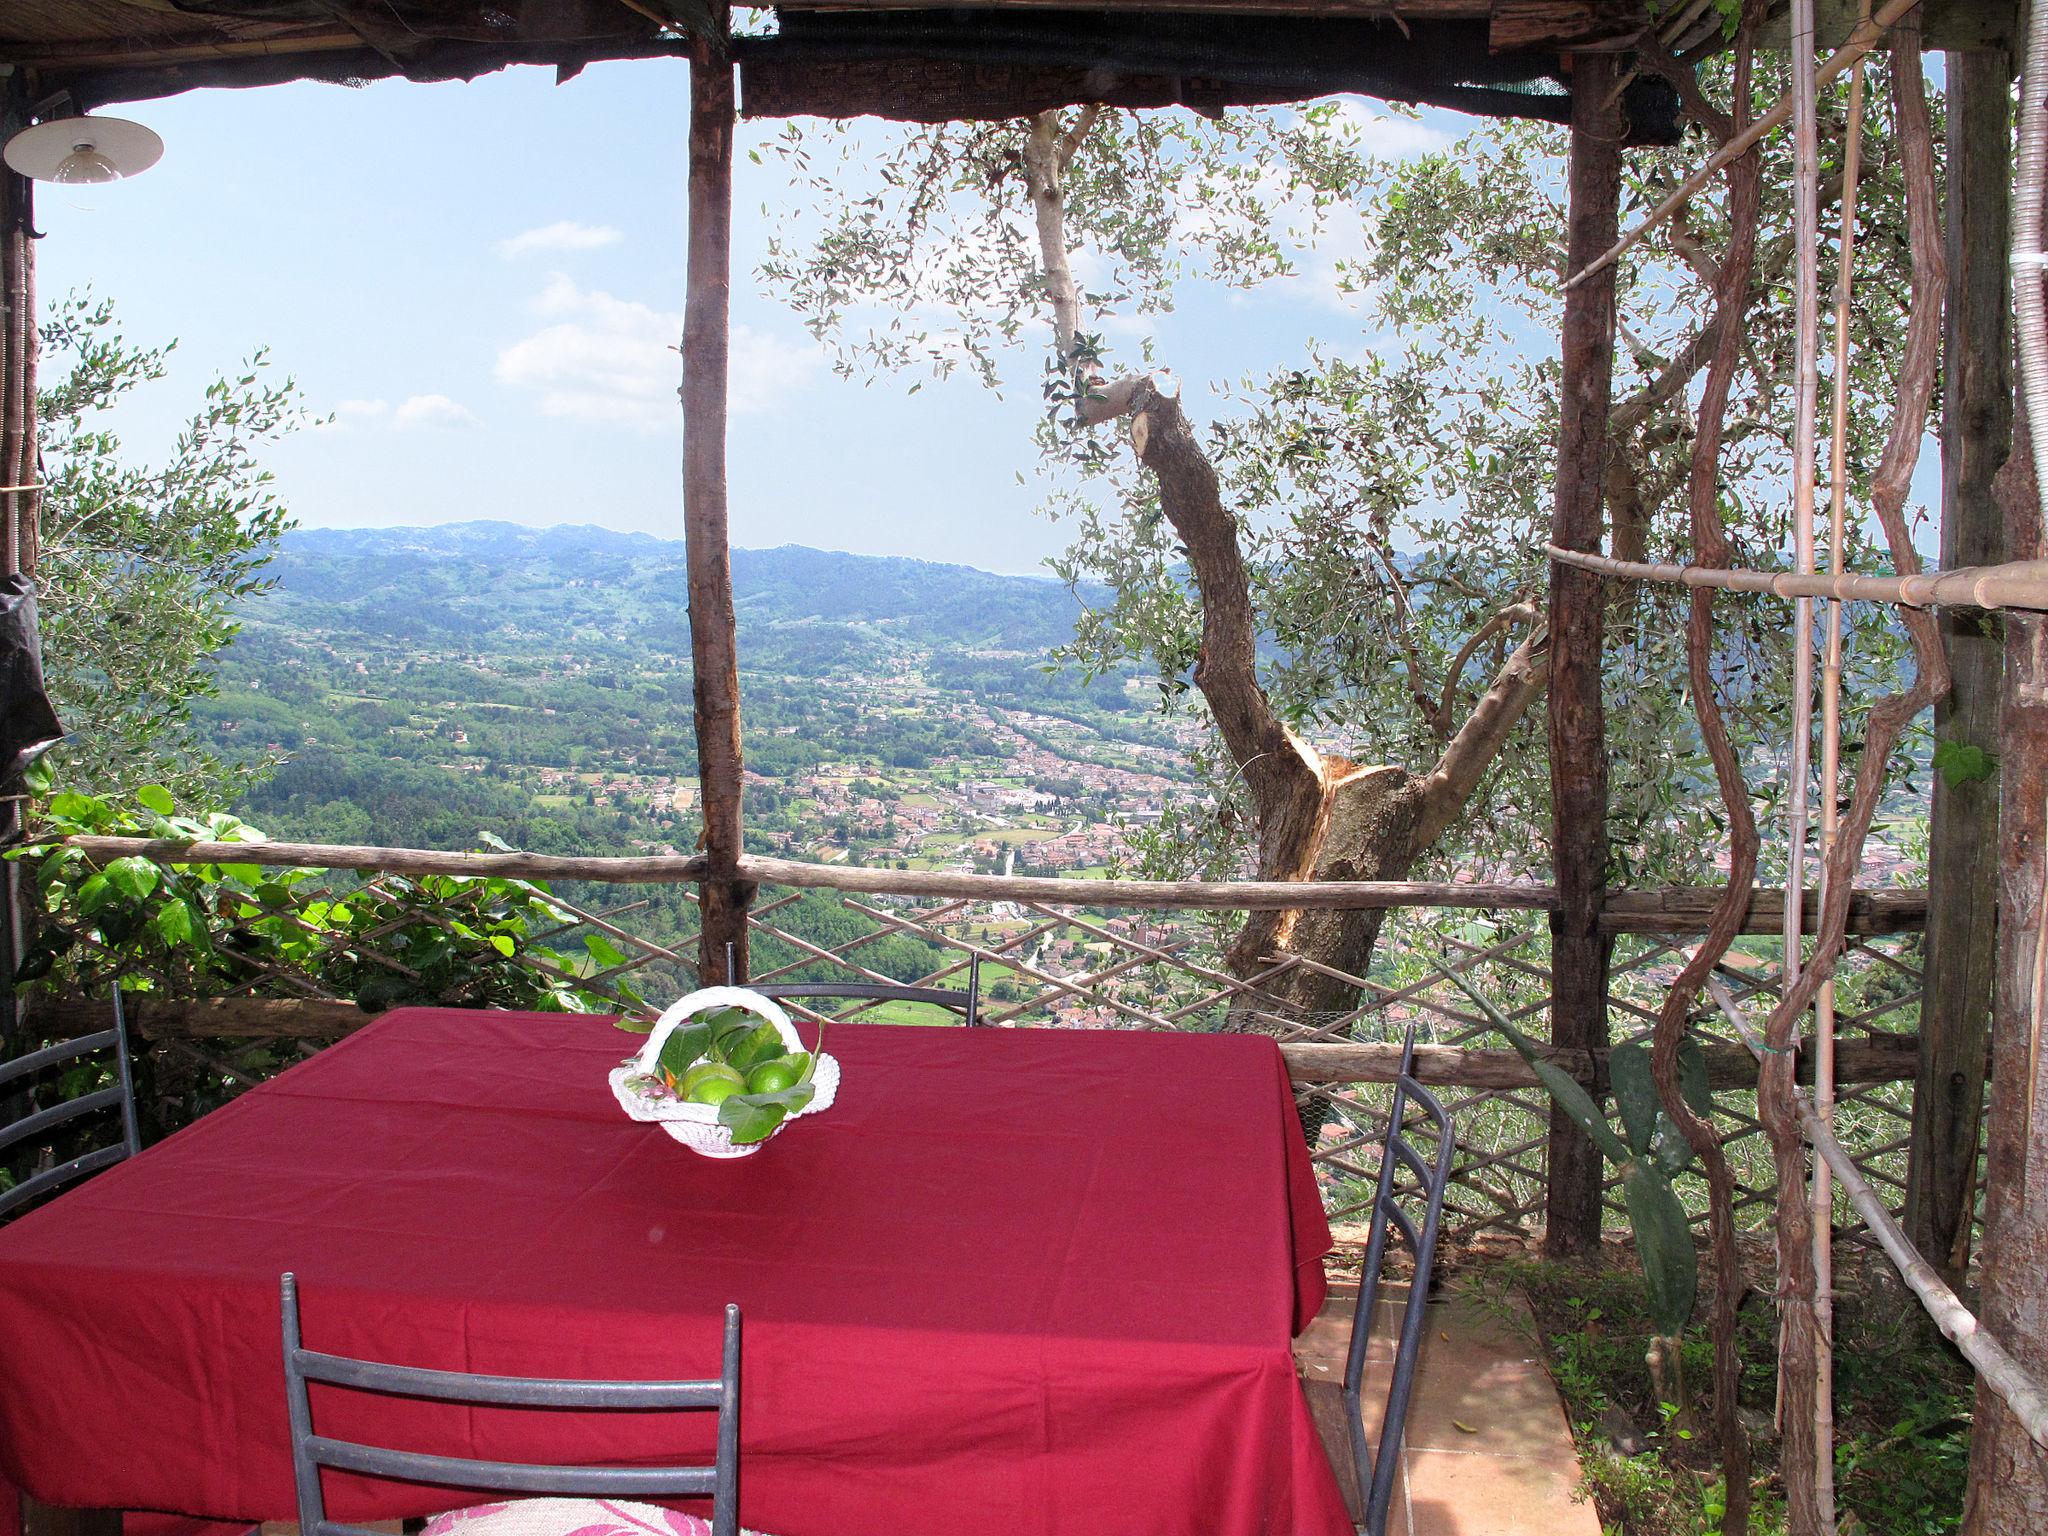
1340 573
143 567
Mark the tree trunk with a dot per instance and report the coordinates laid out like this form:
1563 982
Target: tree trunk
2008 1490
1962 861
1578 746
714 654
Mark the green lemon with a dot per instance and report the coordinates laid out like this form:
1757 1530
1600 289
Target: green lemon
772 1076
709 1082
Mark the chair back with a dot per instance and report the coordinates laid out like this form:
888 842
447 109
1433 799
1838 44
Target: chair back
311 1451
37 1122
1389 1209
967 1002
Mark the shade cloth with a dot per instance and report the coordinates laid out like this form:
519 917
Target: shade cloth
1015 1281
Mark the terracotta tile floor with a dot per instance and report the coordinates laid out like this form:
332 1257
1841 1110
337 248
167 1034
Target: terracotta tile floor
1487 1451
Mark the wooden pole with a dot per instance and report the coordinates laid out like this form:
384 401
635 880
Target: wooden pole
2008 1488
1578 731
1962 856
18 467
714 650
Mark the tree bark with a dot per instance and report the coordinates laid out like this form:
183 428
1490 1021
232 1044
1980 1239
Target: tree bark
2008 1489
1578 745
1962 861
714 654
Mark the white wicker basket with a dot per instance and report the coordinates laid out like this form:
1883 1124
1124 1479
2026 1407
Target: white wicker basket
696 1126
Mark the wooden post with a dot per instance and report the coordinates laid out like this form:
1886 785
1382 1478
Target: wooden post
1579 951
1962 862
714 653
18 467
2008 1488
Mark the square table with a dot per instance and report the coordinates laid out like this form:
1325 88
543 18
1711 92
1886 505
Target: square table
1016 1281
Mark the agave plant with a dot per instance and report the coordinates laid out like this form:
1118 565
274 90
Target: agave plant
1650 1151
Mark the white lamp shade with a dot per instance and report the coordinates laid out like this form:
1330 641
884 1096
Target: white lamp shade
83 149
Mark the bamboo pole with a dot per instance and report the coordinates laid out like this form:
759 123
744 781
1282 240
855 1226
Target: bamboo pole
1994 1365
1793 1182
1866 36
2015 584
1822 1193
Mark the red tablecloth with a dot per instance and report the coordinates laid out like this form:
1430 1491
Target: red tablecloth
1013 1281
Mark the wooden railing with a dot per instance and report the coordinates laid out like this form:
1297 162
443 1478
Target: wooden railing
1101 954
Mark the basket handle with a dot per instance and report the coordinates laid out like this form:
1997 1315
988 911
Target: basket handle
683 1008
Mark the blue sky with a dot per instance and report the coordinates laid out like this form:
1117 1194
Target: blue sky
481 284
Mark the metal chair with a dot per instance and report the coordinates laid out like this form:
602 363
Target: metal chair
122 1093
1376 1472
311 1452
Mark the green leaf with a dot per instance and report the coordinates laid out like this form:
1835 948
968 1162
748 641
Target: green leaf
156 798
503 945
1570 1094
603 950
1664 1244
174 923
492 840
133 877
1635 1094
37 777
73 807
763 1043
682 1049
1960 762
749 1119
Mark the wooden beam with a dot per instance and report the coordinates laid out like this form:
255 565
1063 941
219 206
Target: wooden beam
714 650
1672 909
674 869
1578 729
1685 909
205 1018
1962 858
654 869
1880 1059
1195 895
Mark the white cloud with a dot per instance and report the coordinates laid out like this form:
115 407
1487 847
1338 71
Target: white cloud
434 412
605 358
1390 135
349 412
562 235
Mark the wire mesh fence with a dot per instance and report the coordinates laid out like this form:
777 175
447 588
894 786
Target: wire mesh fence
334 942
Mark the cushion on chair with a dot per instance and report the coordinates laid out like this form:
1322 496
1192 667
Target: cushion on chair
568 1517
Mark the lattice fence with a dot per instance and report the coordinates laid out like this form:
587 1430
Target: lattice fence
331 939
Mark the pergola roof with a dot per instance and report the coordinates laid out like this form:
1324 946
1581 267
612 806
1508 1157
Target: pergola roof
859 57
908 60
